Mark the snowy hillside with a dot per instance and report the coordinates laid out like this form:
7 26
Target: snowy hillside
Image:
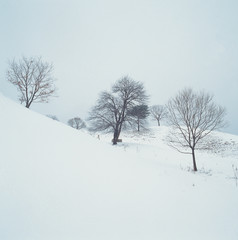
57 183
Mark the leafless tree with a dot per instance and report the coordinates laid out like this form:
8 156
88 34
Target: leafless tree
111 111
33 79
76 123
158 112
193 117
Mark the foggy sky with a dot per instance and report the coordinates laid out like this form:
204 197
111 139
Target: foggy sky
166 44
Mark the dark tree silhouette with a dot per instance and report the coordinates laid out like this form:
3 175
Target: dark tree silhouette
111 111
76 123
138 115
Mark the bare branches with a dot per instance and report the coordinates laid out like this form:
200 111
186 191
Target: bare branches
193 116
76 123
158 112
132 92
111 111
33 79
138 115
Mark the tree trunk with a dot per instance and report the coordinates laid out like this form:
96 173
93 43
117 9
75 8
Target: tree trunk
114 141
116 135
158 123
194 161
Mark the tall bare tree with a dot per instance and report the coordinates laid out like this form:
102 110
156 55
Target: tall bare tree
76 123
33 79
193 117
111 111
158 112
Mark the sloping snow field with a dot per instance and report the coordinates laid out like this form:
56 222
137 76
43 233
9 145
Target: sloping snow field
57 183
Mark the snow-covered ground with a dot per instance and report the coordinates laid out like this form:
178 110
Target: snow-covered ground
57 183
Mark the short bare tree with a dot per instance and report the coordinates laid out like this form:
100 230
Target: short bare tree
158 112
33 79
76 123
111 111
137 116
193 116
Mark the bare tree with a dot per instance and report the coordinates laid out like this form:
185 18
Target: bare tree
193 117
111 111
158 112
76 123
138 115
33 79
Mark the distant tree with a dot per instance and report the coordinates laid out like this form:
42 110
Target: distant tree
76 123
138 115
111 111
52 117
158 112
193 116
33 79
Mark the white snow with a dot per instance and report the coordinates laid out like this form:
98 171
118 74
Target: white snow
57 183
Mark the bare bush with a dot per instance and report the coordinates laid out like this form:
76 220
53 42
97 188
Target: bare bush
52 117
76 123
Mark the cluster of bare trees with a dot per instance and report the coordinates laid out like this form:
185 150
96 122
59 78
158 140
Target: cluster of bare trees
191 115
113 109
124 106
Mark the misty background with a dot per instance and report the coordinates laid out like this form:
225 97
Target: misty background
167 45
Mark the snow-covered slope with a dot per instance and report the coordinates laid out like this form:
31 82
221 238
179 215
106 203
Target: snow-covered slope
58 183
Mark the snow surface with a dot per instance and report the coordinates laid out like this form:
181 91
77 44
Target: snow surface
57 183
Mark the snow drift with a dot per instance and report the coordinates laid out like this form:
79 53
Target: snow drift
63 184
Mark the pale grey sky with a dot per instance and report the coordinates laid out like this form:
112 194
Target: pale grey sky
166 44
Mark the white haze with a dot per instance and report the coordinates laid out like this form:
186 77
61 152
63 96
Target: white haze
168 45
